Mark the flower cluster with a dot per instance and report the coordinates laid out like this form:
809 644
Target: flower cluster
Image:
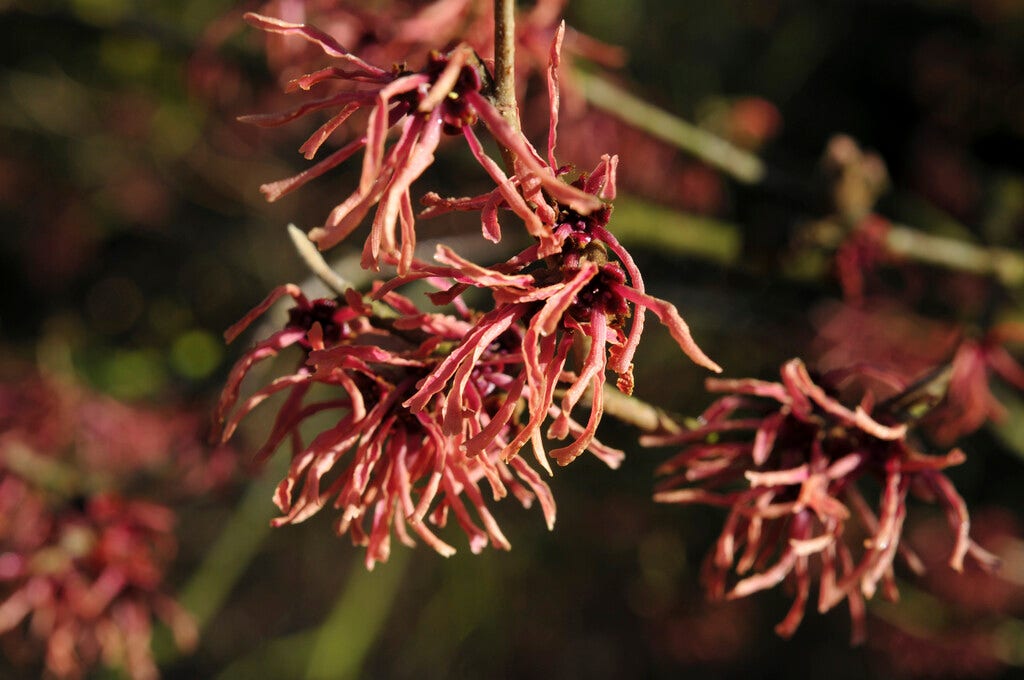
82 562
588 290
447 96
381 465
403 31
430 404
963 364
788 459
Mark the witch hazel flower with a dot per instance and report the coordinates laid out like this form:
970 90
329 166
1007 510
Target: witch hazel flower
787 460
87 582
402 31
82 563
588 292
380 466
969 402
446 96
430 405
578 284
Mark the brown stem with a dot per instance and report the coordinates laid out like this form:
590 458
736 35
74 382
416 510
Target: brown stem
632 411
504 92
638 413
505 60
316 262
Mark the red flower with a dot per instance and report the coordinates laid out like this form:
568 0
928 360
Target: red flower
969 401
576 293
885 334
81 564
446 96
786 458
381 466
564 290
86 582
403 31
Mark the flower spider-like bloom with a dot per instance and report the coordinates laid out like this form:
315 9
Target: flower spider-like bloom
446 96
563 290
81 563
88 579
786 458
380 465
586 291
969 401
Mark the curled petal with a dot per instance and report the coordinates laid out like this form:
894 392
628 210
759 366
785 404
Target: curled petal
554 63
275 190
259 310
329 45
669 316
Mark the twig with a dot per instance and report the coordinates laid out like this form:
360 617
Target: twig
1005 265
505 61
741 165
632 411
316 262
645 223
638 413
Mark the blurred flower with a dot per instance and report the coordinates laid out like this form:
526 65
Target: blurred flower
403 31
965 652
894 340
787 459
748 122
969 401
107 444
81 563
975 593
857 178
884 334
657 170
85 582
860 255
447 95
958 625
382 466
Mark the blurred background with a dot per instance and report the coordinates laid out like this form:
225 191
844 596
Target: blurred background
134 234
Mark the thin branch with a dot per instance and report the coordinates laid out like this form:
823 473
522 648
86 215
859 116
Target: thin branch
638 413
632 411
503 91
315 261
645 223
505 61
741 165
1005 265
